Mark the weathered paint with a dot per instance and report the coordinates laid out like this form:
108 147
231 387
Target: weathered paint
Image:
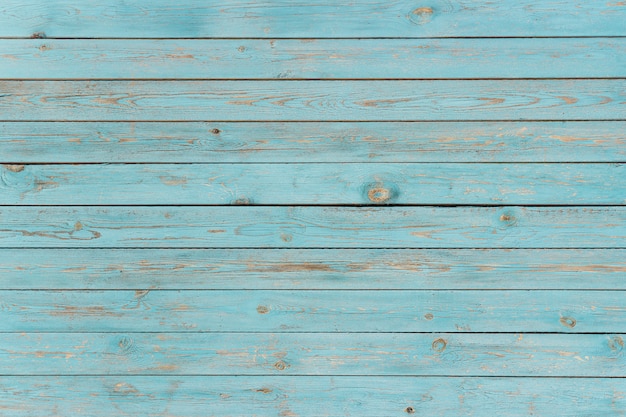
314 311
186 220
338 100
311 19
322 59
363 142
313 227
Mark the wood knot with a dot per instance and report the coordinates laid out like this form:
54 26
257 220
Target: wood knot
14 168
409 410
280 365
568 322
439 345
38 35
378 195
264 390
428 316
216 131
242 201
262 310
421 15
286 237
616 343
241 48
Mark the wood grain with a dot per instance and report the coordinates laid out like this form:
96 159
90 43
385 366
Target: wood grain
57 142
600 99
311 19
307 58
313 227
146 310
314 354
318 396
313 184
331 269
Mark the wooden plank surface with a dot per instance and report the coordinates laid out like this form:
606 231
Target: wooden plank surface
147 310
387 100
59 142
313 227
310 396
313 184
331 269
317 19
314 354
311 58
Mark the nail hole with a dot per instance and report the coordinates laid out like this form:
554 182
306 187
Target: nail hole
568 322
409 410
216 131
280 365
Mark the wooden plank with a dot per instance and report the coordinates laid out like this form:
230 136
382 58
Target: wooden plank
314 227
365 269
599 99
320 18
317 59
147 310
310 396
41 142
313 184
314 354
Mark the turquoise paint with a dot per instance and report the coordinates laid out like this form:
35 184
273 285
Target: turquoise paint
432 354
313 227
313 311
312 19
134 281
312 184
389 100
330 269
321 59
361 142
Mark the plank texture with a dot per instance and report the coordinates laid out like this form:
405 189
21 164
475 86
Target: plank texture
283 395
313 311
189 142
316 19
330 269
390 100
310 58
313 184
314 227
314 354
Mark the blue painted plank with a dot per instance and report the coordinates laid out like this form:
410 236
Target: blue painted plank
313 311
314 354
313 227
319 18
317 59
313 184
311 396
599 99
23 142
365 269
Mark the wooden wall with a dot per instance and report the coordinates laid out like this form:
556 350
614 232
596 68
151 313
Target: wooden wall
324 208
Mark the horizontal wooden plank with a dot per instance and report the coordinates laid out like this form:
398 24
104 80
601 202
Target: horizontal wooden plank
318 59
373 269
320 18
599 99
41 142
313 354
314 184
314 227
317 396
313 311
